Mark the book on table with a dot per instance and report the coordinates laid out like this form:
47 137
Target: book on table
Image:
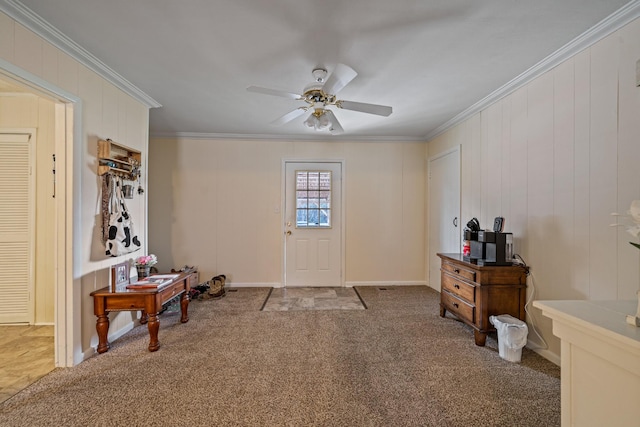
153 282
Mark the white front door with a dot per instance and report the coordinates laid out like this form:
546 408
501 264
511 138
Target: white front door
313 224
444 211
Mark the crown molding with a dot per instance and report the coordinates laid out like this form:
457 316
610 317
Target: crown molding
612 23
25 16
287 138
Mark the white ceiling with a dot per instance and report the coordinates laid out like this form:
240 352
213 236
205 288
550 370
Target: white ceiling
429 60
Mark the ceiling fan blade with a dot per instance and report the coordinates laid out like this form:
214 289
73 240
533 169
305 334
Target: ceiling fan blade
380 110
335 128
289 116
274 92
340 77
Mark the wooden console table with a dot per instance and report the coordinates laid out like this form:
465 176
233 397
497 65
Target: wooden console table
149 301
473 293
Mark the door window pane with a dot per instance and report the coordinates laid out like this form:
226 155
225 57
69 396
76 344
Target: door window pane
313 199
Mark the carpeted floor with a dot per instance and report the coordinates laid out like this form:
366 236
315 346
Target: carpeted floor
397 363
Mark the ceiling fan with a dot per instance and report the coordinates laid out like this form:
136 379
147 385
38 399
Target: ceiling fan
321 94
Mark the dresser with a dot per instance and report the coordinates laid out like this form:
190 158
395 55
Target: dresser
473 293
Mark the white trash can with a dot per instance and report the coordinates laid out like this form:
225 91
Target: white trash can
512 336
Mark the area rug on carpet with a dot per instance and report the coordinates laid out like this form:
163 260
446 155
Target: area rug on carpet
296 299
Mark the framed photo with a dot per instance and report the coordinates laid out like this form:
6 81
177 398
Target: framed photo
119 277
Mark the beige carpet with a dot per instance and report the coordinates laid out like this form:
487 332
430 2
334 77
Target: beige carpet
395 364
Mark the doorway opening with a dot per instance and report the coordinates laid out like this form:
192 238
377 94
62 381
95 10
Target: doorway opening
57 119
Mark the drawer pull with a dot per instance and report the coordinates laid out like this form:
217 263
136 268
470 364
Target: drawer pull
455 304
455 270
455 285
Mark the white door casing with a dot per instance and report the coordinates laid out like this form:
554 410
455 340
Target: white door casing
17 219
313 255
67 255
444 210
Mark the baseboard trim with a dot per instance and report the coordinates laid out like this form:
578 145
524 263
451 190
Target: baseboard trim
549 355
253 285
387 283
347 284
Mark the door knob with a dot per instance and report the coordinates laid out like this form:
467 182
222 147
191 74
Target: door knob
288 233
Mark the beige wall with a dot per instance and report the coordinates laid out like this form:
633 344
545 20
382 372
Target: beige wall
555 158
30 111
106 112
216 204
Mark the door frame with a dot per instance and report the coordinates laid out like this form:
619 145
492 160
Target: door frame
283 246
67 253
457 149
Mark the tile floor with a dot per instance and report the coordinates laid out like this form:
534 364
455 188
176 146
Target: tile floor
26 354
292 299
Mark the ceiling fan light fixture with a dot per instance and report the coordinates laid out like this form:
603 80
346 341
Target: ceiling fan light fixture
321 94
318 121
323 122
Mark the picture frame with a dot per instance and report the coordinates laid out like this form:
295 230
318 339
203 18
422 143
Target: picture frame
119 277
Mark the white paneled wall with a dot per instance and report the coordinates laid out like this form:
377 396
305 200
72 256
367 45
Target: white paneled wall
217 204
555 158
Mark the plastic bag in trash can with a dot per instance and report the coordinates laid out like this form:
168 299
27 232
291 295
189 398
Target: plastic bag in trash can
512 336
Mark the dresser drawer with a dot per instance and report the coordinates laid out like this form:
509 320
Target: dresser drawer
459 307
457 287
170 291
459 271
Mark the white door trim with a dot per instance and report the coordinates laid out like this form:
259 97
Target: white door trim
283 221
68 131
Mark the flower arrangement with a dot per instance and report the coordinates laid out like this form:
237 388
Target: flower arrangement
147 260
634 214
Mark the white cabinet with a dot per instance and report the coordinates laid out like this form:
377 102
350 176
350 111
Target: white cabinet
600 361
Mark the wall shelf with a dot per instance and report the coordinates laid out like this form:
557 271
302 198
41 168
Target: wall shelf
118 159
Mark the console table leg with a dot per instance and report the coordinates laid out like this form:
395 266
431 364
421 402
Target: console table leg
102 327
184 304
153 326
143 317
481 338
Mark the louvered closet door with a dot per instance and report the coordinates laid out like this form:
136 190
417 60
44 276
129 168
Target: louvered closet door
16 219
